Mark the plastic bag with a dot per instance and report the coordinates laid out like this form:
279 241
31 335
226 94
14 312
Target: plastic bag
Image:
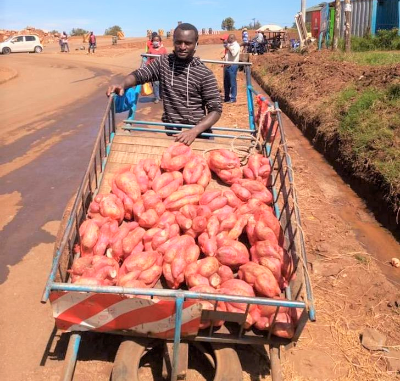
147 89
126 101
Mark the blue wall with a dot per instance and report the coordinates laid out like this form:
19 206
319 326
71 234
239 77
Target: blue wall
387 14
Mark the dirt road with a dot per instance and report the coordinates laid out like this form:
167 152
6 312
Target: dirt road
51 115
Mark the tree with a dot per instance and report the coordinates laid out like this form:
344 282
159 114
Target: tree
78 32
256 25
54 32
113 31
228 24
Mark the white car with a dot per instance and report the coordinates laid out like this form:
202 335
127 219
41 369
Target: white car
25 43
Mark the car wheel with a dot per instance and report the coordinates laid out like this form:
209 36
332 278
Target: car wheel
6 50
38 49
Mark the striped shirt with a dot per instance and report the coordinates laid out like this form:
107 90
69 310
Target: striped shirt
188 88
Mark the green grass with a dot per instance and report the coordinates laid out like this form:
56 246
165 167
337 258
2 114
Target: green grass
370 122
368 58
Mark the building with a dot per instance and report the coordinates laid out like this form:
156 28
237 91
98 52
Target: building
367 17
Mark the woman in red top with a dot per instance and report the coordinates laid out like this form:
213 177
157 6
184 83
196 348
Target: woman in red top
156 48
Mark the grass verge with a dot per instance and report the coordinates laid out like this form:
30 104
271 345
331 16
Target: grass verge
369 120
368 58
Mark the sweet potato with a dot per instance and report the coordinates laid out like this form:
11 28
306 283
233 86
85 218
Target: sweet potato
179 252
176 157
107 206
232 253
258 168
94 270
207 271
145 266
208 305
146 170
261 278
196 171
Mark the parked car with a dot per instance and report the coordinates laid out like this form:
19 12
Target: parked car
25 43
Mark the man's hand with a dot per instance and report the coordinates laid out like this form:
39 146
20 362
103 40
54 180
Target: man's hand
187 137
118 89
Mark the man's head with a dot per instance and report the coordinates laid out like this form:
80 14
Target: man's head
231 38
185 41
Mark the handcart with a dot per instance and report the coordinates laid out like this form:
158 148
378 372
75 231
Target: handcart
151 315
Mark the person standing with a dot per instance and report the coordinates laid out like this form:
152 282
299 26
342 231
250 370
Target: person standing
156 48
245 39
60 41
230 71
150 41
64 42
92 42
189 89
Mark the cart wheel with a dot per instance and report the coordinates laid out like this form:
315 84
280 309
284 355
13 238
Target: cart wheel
228 367
127 359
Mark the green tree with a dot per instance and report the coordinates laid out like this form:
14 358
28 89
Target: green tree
113 30
54 32
78 32
252 25
228 24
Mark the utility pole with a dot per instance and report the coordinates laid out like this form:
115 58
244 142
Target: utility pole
347 26
254 23
336 32
303 10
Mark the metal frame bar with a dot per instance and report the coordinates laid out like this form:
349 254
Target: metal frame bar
173 132
79 203
187 126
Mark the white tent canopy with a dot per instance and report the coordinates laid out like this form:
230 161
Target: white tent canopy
270 28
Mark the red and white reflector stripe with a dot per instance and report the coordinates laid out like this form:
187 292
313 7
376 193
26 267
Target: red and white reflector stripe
77 311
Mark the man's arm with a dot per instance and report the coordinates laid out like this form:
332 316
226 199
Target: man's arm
212 99
187 137
148 73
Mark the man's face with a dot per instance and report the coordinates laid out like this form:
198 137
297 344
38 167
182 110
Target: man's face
184 44
231 39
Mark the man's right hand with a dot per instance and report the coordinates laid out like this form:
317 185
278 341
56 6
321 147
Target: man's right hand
117 89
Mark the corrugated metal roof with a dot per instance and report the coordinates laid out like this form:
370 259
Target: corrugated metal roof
315 8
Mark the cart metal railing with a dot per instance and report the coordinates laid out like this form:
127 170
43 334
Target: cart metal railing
298 294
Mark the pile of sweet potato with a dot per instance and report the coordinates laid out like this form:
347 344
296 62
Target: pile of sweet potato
162 223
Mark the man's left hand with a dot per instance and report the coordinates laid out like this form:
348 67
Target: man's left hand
187 137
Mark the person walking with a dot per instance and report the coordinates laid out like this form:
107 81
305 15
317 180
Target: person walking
92 42
188 88
230 71
64 42
156 48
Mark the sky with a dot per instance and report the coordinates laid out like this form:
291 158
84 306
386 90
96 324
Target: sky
136 17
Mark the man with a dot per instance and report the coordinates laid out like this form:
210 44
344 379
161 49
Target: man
188 88
260 37
92 42
230 71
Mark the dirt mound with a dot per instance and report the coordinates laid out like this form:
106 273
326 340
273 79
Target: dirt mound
44 36
332 101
